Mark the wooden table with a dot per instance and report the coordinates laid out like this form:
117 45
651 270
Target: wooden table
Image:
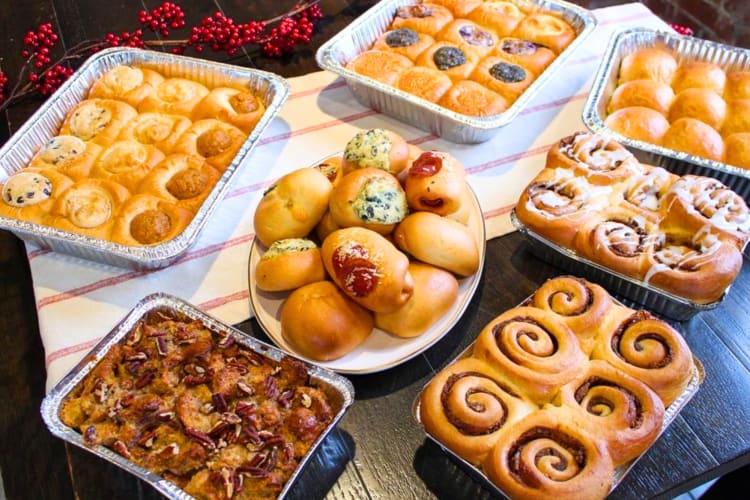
378 450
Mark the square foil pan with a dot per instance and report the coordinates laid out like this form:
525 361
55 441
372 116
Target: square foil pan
455 127
339 389
685 48
46 121
476 473
658 301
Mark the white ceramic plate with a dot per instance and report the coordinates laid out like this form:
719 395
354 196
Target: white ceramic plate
380 350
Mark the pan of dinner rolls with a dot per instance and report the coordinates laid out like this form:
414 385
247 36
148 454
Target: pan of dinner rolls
127 161
682 103
365 258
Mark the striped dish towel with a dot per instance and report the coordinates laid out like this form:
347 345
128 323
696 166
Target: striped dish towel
79 302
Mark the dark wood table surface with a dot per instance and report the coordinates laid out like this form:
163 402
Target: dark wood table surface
377 450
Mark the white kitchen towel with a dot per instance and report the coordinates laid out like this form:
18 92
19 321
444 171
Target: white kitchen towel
79 302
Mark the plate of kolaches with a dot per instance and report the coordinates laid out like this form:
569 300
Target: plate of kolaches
366 258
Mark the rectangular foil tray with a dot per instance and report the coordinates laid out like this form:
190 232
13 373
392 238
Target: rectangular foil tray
339 389
455 127
626 42
658 301
670 414
46 121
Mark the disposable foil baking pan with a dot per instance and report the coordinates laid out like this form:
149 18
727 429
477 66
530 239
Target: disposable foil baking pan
455 127
684 48
339 390
658 301
45 122
476 473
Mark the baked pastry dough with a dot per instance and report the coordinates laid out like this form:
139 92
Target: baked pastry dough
30 193
525 53
97 120
699 103
647 93
382 65
289 264
368 268
67 154
181 179
698 74
435 182
469 37
403 41
737 149
737 85
177 96
149 220
455 61
601 160
126 162
157 129
694 137
548 455
427 83
473 99
646 193
376 148
216 141
639 123
507 79
423 17
652 63
126 83
501 17
467 404
545 28
738 117
459 8
535 348
88 207
237 107
332 168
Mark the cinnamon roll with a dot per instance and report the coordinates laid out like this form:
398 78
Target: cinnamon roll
157 129
646 193
602 160
88 207
126 83
644 92
619 239
548 455
126 162
381 65
652 63
423 17
469 36
30 193
650 350
699 103
699 74
97 120
435 182
237 107
473 99
585 307
182 180
615 407
405 42
500 16
145 219
507 79
525 53
467 404
545 28
639 123
216 141
557 202
428 83
177 96
67 154
535 348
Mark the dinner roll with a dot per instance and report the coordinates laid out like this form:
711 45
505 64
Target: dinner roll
652 63
639 123
698 74
472 99
738 117
288 264
321 323
293 206
738 149
439 241
648 93
695 137
699 103
737 85
435 291
382 65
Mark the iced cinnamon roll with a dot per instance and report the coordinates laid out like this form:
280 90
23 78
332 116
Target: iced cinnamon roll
214 140
545 29
182 180
148 220
97 120
650 350
126 162
646 193
161 130
67 154
500 16
602 160
615 407
241 108
423 17
177 96
535 348
126 83
548 455
88 207
466 405
30 193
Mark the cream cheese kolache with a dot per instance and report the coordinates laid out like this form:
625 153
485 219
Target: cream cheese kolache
338 222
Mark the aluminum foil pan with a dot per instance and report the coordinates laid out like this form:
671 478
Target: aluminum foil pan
339 390
46 121
658 301
670 414
360 35
626 42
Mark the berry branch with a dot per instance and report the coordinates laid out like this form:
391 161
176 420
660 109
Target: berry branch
274 37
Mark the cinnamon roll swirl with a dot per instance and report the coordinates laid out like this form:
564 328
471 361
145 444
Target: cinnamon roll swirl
535 348
646 193
615 407
650 350
548 455
466 405
585 307
602 160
